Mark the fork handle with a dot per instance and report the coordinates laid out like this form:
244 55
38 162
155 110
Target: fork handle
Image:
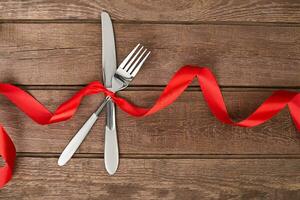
80 135
99 110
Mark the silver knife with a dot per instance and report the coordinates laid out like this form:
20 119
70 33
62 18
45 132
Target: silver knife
109 65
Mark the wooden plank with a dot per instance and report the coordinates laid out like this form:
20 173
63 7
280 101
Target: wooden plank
70 54
169 11
156 179
186 127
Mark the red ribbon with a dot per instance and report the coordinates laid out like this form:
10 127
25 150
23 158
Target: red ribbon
180 81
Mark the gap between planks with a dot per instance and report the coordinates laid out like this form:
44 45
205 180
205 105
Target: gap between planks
166 156
161 87
84 21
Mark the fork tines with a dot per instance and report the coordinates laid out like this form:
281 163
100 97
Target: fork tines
135 57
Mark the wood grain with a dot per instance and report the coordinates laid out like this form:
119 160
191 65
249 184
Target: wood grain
170 11
156 179
60 54
186 127
53 48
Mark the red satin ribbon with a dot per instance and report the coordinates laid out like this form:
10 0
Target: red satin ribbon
180 81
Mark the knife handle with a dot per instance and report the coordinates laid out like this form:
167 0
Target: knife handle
80 135
111 149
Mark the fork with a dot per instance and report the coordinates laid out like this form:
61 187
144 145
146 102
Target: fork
125 73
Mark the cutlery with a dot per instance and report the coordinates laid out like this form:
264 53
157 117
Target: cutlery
125 73
109 65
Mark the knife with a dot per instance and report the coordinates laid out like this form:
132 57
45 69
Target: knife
111 150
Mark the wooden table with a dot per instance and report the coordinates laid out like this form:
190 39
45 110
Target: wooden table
53 48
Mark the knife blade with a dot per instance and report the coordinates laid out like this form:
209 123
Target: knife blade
111 150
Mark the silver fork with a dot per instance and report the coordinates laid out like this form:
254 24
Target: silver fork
125 73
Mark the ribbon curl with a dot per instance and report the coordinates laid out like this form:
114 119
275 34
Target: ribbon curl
179 82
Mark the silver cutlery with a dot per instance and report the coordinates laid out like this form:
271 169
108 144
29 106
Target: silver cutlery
109 65
125 73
